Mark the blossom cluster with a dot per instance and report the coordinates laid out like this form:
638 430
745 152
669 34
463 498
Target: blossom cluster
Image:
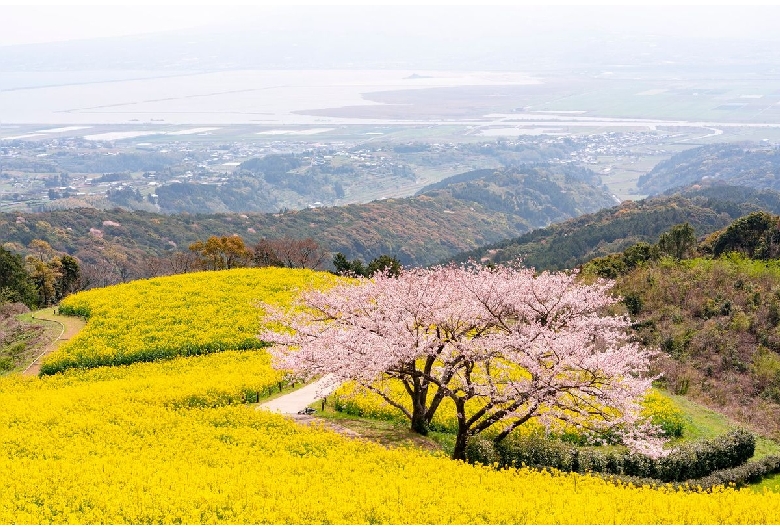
519 344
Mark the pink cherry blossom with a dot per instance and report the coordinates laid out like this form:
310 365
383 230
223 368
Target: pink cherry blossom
521 344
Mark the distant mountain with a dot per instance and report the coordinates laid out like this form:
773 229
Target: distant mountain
571 243
470 211
735 164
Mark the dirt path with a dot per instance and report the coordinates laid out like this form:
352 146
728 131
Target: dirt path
70 326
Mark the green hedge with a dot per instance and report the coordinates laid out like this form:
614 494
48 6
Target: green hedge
686 462
748 473
123 358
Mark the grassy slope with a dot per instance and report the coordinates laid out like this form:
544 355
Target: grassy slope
703 423
22 339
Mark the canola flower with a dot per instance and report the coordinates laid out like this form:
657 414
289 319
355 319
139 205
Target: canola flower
129 445
187 314
171 442
357 401
664 413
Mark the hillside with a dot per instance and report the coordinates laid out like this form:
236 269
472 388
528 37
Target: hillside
718 320
167 175
747 165
182 438
418 230
714 309
539 194
21 341
570 243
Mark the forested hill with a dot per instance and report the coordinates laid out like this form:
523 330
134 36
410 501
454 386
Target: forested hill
569 244
740 165
540 194
418 230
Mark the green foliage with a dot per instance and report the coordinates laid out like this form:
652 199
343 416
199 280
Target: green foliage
569 244
15 282
633 303
344 267
756 236
384 264
744 165
678 242
747 473
738 476
69 276
685 462
718 320
766 369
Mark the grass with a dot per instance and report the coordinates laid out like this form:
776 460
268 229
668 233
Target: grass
771 482
702 423
26 343
383 432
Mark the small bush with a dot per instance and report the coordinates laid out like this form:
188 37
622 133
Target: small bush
481 449
686 462
748 473
633 303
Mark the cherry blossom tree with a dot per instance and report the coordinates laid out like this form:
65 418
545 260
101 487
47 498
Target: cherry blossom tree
504 344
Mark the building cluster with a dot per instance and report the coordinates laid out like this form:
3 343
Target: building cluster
33 173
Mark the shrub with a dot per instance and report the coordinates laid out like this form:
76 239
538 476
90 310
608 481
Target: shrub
747 473
686 462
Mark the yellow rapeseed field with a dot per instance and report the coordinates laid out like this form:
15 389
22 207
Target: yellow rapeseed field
121 445
358 401
181 315
171 442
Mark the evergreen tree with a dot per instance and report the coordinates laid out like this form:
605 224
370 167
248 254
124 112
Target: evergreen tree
15 283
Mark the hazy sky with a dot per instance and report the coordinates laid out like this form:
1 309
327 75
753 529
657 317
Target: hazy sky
51 23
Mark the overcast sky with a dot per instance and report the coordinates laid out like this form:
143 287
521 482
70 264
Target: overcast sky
37 24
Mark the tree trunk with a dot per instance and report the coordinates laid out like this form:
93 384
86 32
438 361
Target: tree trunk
460 445
419 423
420 420
462 437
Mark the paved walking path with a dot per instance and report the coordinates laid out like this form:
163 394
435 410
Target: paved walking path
293 402
70 326
300 399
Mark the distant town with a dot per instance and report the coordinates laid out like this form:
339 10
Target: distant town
73 171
